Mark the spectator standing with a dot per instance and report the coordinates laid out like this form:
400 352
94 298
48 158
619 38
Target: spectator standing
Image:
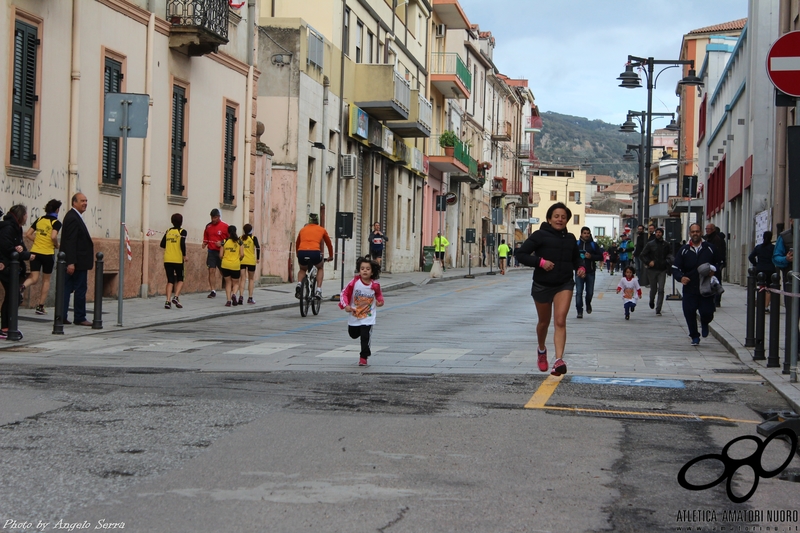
692 255
251 257
11 241
44 234
630 289
657 257
590 252
230 256
625 252
377 243
716 239
77 244
553 252
214 236
761 258
440 244
502 254
174 244
613 258
361 298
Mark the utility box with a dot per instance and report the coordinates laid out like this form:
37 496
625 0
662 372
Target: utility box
470 237
427 255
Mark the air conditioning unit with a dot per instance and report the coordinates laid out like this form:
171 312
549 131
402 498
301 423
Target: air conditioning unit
349 165
441 30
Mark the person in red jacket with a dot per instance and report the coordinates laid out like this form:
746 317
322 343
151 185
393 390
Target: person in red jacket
214 236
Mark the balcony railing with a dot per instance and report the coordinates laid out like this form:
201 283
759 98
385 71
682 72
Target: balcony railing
451 63
207 18
402 91
524 151
503 132
425 112
533 123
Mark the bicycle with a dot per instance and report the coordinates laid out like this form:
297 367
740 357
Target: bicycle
308 293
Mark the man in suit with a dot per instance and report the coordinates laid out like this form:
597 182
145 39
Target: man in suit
77 244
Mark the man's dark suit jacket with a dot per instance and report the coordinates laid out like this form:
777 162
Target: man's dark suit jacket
76 242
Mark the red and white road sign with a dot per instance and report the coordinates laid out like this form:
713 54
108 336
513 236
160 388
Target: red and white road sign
783 63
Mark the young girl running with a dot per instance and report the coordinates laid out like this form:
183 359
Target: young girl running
631 292
360 299
252 254
231 254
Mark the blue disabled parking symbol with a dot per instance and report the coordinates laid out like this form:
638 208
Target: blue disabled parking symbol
634 382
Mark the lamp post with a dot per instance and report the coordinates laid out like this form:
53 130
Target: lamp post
630 80
644 181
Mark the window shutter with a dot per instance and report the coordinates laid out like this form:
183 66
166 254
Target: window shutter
230 131
178 144
112 83
24 96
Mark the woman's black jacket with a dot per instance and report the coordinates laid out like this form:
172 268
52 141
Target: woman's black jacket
560 247
10 238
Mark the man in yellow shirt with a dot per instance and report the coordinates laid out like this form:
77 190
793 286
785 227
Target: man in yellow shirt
440 245
502 252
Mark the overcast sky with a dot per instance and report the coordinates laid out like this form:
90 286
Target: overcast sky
572 51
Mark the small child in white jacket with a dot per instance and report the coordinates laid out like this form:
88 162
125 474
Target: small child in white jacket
361 298
631 292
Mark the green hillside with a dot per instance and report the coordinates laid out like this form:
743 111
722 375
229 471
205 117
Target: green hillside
594 144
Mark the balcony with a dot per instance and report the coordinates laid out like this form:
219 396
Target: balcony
198 27
524 151
503 132
420 118
382 92
450 75
533 124
499 187
460 162
514 193
451 14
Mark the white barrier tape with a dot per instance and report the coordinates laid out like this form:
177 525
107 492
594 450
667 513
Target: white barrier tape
778 291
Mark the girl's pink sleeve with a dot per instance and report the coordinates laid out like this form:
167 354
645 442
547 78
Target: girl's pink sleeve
378 292
347 294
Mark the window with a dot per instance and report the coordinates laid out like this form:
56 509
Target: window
25 100
369 45
574 196
229 158
599 231
316 48
178 154
359 40
112 83
346 33
553 196
577 219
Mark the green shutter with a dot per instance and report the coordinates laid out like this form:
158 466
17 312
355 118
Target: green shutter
24 96
230 157
112 83
178 143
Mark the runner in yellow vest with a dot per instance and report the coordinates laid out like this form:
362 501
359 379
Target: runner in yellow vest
503 251
440 244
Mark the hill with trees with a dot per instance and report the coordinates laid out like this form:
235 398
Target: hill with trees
595 145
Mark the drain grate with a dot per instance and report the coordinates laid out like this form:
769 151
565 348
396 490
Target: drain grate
733 371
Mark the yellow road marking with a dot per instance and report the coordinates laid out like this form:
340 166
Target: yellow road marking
548 387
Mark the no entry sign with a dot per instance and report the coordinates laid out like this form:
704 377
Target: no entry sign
783 63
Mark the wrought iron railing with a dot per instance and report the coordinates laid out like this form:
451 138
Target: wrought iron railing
451 63
211 15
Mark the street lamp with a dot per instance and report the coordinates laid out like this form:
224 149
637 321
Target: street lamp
630 127
630 80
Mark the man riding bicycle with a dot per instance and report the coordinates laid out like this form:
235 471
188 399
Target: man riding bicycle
309 252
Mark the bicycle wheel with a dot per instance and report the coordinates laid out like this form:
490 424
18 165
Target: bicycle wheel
304 298
315 300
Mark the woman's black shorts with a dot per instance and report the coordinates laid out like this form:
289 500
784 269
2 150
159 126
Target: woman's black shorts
249 268
174 272
544 295
43 262
235 274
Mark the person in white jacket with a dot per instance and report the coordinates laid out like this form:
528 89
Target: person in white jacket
361 298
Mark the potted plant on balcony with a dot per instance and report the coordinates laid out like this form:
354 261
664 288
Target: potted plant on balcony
447 140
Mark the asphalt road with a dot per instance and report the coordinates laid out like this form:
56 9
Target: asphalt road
266 423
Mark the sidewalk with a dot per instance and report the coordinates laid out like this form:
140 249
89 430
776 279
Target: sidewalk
730 328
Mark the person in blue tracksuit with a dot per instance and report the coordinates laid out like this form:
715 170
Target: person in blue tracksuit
691 255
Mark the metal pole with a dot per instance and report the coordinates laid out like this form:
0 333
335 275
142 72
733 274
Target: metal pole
469 263
341 274
13 300
795 283
648 156
122 254
689 208
773 360
750 309
758 353
59 311
640 212
97 323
